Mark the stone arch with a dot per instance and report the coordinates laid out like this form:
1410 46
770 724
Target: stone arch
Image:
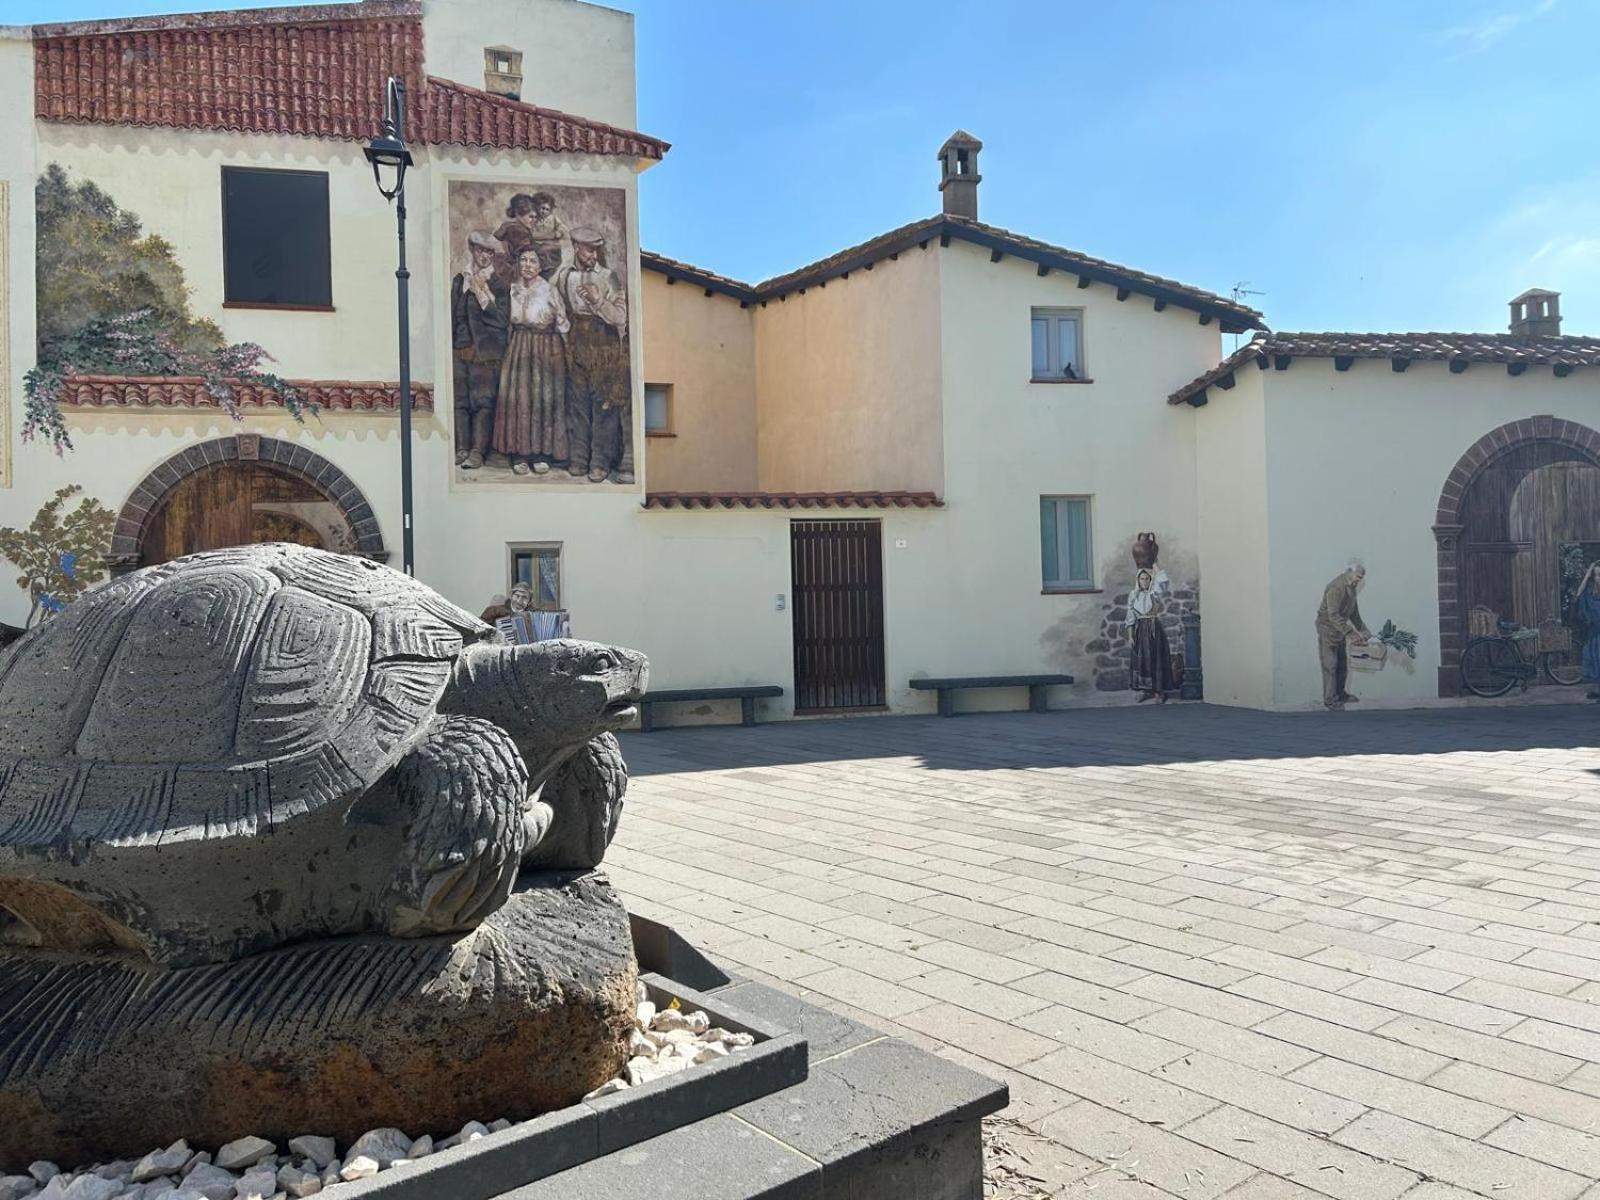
1448 521
133 521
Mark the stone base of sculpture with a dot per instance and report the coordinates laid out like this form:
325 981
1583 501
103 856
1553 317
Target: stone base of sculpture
103 1058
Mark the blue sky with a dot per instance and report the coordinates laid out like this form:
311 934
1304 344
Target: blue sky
1365 165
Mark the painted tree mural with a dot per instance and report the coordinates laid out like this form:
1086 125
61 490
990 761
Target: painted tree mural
112 300
61 553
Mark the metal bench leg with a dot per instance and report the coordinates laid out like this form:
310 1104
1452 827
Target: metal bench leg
947 702
646 718
747 710
1038 700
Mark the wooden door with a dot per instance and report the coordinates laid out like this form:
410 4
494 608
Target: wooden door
837 574
1515 514
1552 505
236 504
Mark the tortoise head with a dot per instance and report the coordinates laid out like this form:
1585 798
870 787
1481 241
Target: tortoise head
551 697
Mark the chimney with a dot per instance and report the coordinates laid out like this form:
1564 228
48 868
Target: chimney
502 71
958 174
1536 313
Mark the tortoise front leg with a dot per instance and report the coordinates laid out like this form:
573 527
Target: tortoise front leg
467 818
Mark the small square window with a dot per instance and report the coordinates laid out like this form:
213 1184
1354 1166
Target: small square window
275 243
537 566
1066 543
1058 343
658 409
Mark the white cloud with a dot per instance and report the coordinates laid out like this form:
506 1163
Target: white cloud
1482 34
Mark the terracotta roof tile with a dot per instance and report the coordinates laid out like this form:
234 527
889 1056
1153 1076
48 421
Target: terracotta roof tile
316 71
468 116
1459 349
1231 316
186 391
792 500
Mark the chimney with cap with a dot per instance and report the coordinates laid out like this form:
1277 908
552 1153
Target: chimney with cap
1536 313
958 174
502 71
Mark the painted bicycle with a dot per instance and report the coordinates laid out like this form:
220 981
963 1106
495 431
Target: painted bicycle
1494 664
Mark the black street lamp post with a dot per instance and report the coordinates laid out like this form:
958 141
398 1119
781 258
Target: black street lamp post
388 153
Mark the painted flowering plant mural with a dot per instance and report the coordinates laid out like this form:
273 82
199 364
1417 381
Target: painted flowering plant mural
112 300
61 553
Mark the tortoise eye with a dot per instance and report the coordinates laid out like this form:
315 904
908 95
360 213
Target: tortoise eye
602 662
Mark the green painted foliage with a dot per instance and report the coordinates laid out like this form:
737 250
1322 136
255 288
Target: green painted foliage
60 554
112 300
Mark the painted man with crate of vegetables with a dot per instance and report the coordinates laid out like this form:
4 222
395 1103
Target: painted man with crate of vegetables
1339 623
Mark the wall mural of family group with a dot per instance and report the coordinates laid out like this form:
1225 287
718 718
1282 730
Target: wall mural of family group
543 386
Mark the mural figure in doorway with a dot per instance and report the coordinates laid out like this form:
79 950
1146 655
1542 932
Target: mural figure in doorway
1586 618
480 316
1150 663
520 601
530 418
555 405
1339 625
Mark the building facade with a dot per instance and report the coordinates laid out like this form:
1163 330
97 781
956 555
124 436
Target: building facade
948 451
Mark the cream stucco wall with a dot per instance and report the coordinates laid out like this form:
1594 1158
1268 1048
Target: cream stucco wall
1009 441
1355 463
704 348
1233 520
576 57
848 378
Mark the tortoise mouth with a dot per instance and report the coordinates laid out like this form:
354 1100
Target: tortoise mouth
619 712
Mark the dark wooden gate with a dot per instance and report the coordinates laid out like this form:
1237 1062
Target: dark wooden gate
837 573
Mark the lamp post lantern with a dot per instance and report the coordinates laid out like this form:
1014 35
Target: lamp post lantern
388 155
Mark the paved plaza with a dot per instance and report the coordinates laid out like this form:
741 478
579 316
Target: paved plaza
1215 953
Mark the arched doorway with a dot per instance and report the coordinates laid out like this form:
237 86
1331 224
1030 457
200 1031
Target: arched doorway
1514 501
238 490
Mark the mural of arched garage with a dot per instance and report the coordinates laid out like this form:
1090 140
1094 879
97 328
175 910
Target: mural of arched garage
1521 507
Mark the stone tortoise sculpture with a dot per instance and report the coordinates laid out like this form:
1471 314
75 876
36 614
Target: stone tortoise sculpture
245 747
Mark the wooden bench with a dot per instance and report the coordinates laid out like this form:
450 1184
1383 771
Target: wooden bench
746 696
947 688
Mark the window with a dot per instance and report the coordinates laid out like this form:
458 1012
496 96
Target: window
1066 543
1058 343
538 565
658 409
275 239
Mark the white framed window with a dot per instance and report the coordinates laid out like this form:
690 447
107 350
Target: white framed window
538 566
1066 542
657 409
1058 343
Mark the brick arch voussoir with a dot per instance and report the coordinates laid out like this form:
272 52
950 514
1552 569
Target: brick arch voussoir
133 521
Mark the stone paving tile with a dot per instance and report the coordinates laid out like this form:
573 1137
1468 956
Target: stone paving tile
1215 953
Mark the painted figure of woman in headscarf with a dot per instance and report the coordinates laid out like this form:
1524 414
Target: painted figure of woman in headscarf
1150 666
530 418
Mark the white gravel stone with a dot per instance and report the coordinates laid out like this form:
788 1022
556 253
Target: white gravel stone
642 1071
15 1187
644 1014
162 1162
82 1187
44 1171
640 993
359 1166
668 1019
260 1181
707 1052
421 1148
609 1086
330 1173
639 1044
296 1181
211 1181
319 1150
245 1152
497 1125
383 1146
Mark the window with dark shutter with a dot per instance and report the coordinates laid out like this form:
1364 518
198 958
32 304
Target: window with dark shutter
275 245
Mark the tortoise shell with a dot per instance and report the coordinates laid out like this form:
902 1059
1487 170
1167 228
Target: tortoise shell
220 694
